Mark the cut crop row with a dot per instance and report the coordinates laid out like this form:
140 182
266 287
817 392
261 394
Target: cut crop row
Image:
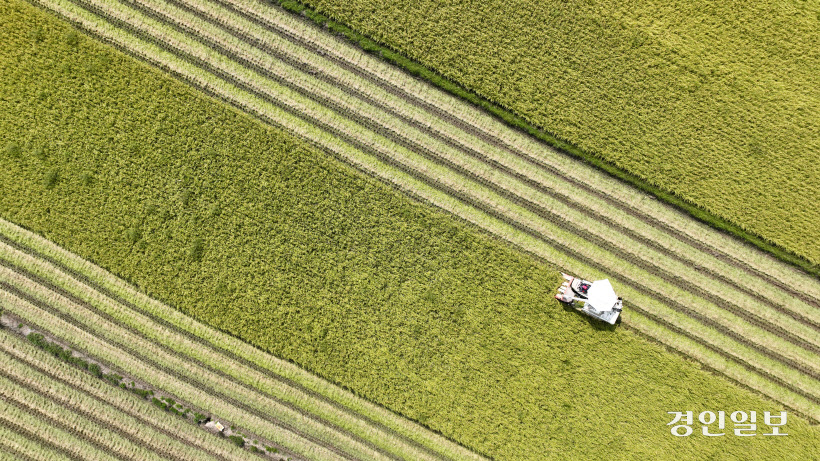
63 428
99 395
15 446
137 442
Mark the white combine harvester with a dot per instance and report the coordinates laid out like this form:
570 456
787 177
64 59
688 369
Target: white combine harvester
595 299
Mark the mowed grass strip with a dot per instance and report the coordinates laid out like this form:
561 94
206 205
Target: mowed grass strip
447 339
476 192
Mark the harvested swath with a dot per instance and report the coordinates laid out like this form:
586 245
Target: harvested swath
71 415
132 408
39 426
732 326
15 446
129 424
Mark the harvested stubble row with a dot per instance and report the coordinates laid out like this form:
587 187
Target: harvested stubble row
73 413
784 330
38 426
119 411
58 373
15 446
180 347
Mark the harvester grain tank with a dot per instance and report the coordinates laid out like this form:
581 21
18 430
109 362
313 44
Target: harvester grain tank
596 299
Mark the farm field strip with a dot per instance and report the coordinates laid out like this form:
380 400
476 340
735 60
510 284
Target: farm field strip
172 352
15 446
100 411
85 342
91 419
152 355
55 371
285 380
444 174
246 378
47 434
233 94
75 442
504 183
492 130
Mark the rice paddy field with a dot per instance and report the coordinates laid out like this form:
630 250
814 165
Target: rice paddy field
717 103
91 312
262 233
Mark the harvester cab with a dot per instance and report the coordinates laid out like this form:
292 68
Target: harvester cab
596 299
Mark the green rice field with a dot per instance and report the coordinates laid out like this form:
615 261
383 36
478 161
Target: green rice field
263 236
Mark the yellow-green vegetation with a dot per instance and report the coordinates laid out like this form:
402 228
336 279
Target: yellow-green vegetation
215 372
258 234
717 104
